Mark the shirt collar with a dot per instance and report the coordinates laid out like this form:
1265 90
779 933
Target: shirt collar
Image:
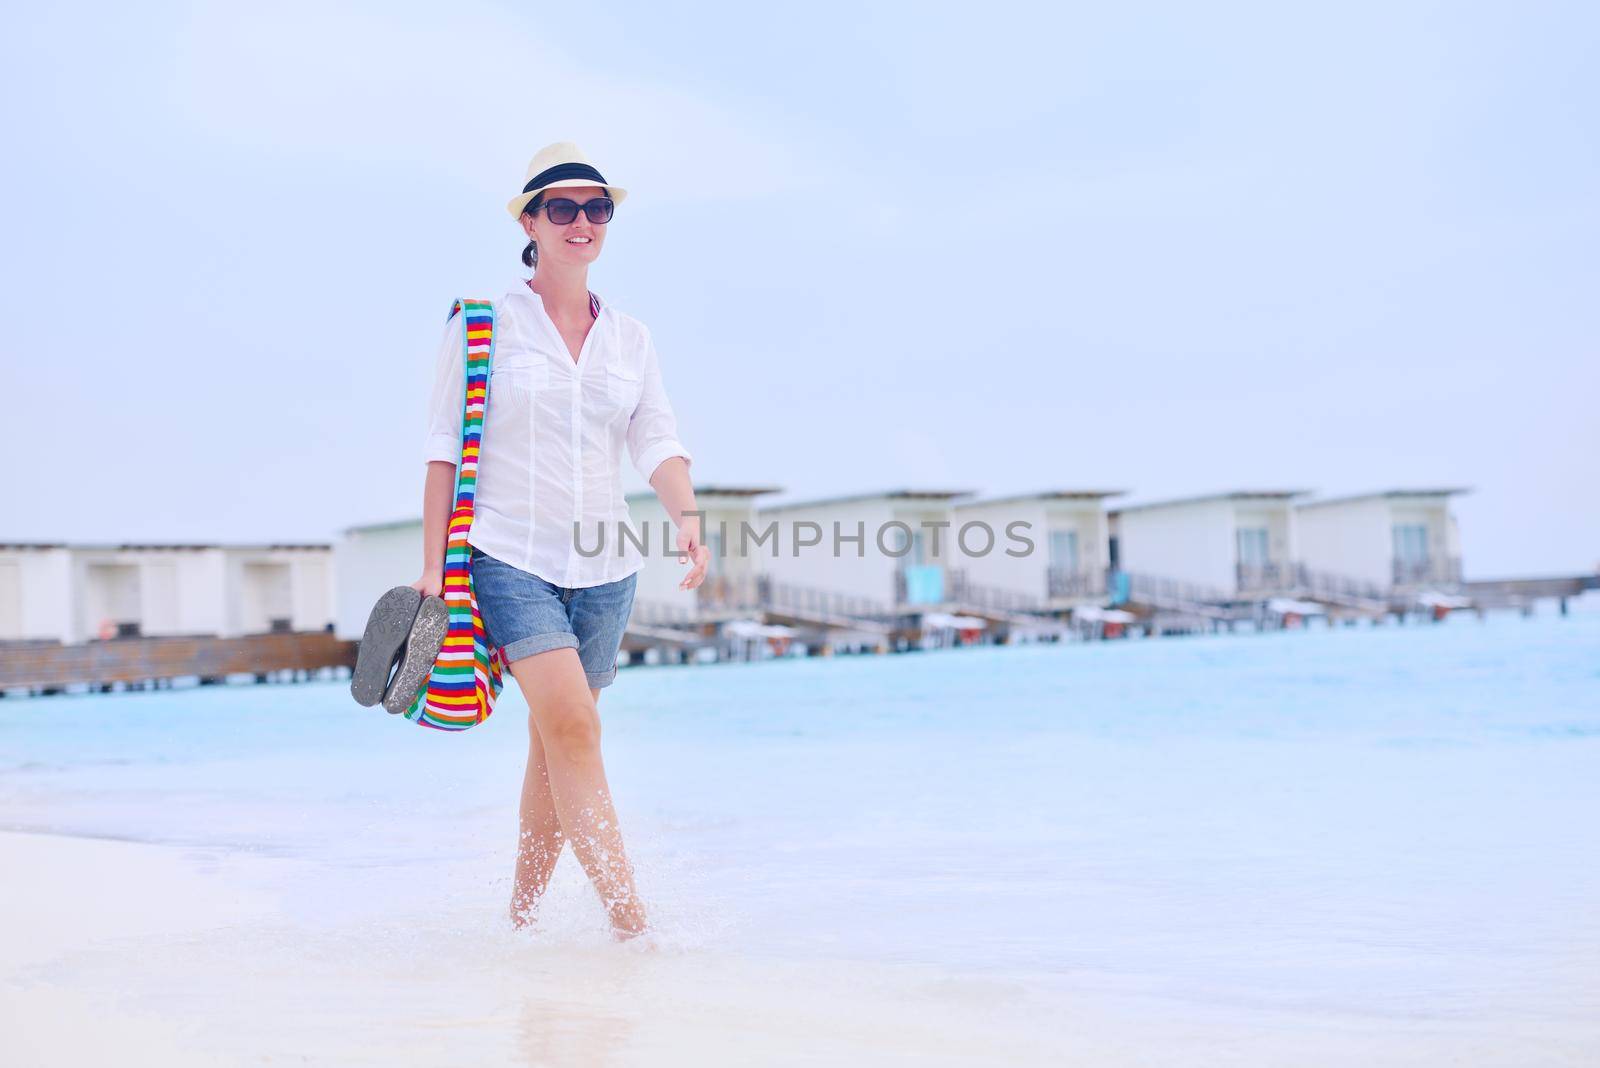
521 286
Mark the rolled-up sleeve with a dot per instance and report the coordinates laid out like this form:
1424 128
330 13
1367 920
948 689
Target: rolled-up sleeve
448 397
653 429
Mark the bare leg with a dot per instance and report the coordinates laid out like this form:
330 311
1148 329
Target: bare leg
566 719
540 837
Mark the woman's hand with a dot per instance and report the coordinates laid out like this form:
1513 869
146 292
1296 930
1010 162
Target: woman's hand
689 548
430 584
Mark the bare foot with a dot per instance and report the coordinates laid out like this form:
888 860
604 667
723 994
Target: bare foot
524 910
628 922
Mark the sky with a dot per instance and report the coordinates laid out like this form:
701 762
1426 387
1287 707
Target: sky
1167 248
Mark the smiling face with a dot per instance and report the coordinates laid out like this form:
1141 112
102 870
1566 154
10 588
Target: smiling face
557 243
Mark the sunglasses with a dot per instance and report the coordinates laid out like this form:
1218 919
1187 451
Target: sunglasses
561 211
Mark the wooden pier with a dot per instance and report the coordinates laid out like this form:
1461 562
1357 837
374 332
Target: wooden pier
820 620
51 667
1524 593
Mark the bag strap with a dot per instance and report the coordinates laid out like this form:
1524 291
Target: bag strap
478 356
467 674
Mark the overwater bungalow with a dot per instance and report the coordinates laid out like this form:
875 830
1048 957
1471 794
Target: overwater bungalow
1395 539
1219 546
733 573
79 592
887 551
1062 561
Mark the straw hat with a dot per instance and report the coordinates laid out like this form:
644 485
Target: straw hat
557 166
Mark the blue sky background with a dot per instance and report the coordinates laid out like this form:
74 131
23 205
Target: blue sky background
1170 248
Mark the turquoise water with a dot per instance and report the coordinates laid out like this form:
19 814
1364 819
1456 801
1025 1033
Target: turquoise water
1387 821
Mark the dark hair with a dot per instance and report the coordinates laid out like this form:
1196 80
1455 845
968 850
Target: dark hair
530 255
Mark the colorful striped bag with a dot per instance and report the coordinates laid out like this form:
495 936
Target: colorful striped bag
468 674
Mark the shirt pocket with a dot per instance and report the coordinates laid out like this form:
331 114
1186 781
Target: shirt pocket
624 386
517 379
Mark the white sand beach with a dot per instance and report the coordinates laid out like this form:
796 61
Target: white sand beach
124 952
130 953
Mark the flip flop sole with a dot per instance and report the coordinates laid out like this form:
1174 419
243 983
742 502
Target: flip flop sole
422 651
381 643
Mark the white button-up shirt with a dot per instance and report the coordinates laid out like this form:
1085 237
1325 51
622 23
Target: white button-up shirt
553 433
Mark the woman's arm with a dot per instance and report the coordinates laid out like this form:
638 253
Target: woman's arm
437 490
671 483
441 450
660 456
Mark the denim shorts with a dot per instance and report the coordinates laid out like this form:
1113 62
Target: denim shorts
524 615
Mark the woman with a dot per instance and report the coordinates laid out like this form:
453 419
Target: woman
572 380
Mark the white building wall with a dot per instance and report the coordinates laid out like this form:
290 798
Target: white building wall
720 526
66 593
869 574
1432 514
1278 519
105 588
1025 575
660 575
1028 574
11 623
312 586
37 587
1190 542
159 603
1089 520
366 564
263 584
202 593
1348 538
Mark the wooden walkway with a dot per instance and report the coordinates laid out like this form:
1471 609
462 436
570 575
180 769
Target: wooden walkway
1521 593
50 666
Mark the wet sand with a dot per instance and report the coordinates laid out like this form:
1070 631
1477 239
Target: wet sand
133 953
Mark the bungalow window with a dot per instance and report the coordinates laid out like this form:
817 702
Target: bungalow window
1253 546
1064 550
1411 543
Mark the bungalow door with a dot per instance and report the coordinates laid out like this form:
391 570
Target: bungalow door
1253 570
1062 579
1410 552
1064 551
924 582
1253 547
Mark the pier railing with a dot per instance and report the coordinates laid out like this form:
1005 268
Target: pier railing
662 613
1155 589
1436 569
716 597
1327 586
1255 578
1071 582
757 593
994 598
779 596
729 592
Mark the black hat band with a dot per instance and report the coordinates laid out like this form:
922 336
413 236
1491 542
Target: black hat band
561 171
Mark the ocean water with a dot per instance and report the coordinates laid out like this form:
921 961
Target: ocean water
1373 841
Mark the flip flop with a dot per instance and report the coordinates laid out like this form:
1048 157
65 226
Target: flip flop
425 639
388 626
